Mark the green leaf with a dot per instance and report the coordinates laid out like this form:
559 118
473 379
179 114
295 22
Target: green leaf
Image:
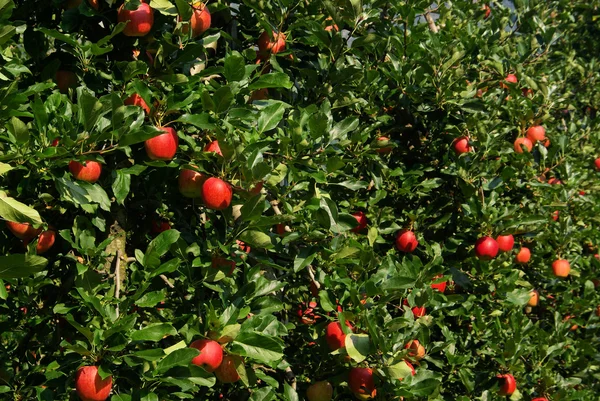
150 299
159 246
5 168
90 109
202 121
222 99
180 357
272 80
358 346
165 7
18 129
258 346
270 116
256 238
120 186
235 67
154 332
13 210
21 265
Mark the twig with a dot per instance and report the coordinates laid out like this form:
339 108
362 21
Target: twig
166 280
118 277
311 275
130 259
290 377
432 26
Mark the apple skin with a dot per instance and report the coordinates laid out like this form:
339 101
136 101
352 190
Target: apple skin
332 26
226 372
65 80
533 300
268 45
523 142
361 383
561 268
335 336
190 183
216 193
361 218
461 145
211 354
486 248
24 231
158 226
508 384
320 391
200 20
417 351
45 241
488 11
536 133
163 146
554 181
540 399
213 147
136 100
555 215
141 20
406 241
511 78
597 163
88 173
523 256
441 287
505 242
381 143
89 385
257 188
412 370
223 264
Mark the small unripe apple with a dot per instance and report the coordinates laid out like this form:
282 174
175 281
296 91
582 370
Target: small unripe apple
140 20
190 183
213 147
406 241
268 45
211 354
561 268
335 336
361 219
533 299
486 248
536 133
519 142
200 20
320 391
226 372
90 386
361 383
24 231
137 100
416 350
508 384
523 256
461 145
216 194
505 242
88 173
163 146
45 241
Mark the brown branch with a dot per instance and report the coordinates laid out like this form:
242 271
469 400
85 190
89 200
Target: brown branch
432 26
166 280
118 277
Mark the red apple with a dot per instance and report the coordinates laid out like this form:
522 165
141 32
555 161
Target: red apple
243 246
213 147
159 226
24 231
416 350
259 94
88 173
411 367
190 183
216 194
361 383
55 142
527 92
163 146
554 181
361 219
307 314
536 133
539 399
511 78
335 336
488 11
45 241
90 386
523 142
211 354
486 248
268 45
597 163
223 264
140 20
200 20
555 215
533 299
561 268
505 242
461 145
65 80
508 385
255 190
441 287
136 100
226 372
523 256
406 241
330 25
381 145
320 391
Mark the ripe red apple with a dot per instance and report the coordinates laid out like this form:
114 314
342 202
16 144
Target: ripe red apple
508 384
486 248
534 297
259 94
554 181
140 20
441 287
307 314
505 242
243 246
539 399
55 142
561 268
136 100
163 146
320 391
90 386
159 226
381 145
523 142
211 354
226 372
523 256
536 133
527 92
597 163
598 311
406 241
361 383
45 241
361 218
213 147
461 145
555 215
256 188
24 231
88 173
190 183
223 264
200 20
335 336
412 370
216 194
416 350
268 45
511 78
488 11
65 80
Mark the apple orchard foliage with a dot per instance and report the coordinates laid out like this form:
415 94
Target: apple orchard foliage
369 115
